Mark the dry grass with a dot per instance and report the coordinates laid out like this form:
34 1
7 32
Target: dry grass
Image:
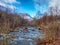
52 33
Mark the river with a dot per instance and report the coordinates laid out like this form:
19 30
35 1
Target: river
26 36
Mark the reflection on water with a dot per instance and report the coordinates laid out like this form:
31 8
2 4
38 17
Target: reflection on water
22 37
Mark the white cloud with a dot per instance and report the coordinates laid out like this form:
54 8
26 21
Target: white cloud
36 4
11 6
40 5
9 3
37 7
54 3
2 4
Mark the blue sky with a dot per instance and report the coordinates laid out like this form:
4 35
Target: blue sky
30 6
27 6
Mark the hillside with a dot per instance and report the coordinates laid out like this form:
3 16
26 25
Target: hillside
51 25
10 21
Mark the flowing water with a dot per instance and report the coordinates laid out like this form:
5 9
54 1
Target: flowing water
26 36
